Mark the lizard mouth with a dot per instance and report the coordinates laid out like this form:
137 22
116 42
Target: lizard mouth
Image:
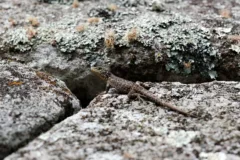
97 72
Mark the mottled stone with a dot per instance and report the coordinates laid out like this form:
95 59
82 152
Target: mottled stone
30 103
188 41
114 127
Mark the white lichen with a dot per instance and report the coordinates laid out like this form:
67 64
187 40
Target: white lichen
180 138
17 39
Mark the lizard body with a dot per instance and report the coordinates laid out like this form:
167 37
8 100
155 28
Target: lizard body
131 88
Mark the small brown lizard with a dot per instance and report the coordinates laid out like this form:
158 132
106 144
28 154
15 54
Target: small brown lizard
132 89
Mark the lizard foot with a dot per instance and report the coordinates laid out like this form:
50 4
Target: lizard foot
136 96
112 91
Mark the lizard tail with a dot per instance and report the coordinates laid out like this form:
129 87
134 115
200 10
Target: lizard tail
172 107
168 105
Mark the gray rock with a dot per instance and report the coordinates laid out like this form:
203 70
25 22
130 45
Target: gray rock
114 127
187 41
74 71
30 103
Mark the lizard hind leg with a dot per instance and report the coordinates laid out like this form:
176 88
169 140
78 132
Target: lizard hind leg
134 95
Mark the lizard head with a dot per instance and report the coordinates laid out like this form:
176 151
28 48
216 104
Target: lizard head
101 72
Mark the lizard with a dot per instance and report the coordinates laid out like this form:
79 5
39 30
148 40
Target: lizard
132 89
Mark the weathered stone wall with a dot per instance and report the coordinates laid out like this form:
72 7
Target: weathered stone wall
45 42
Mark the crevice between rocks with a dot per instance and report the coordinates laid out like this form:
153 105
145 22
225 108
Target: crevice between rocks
84 98
84 93
47 125
89 87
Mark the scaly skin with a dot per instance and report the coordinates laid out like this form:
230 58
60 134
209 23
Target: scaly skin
131 88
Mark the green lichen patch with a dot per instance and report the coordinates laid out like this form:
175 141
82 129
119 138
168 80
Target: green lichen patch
169 39
70 41
92 36
67 42
148 28
63 33
188 47
189 50
18 40
25 39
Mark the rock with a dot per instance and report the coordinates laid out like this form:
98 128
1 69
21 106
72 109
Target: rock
74 71
31 102
190 41
218 156
151 40
158 6
114 127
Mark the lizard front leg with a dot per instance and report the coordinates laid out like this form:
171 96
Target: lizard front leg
109 89
133 95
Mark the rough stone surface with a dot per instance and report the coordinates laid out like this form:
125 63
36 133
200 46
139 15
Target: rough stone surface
154 40
30 103
113 127
148 40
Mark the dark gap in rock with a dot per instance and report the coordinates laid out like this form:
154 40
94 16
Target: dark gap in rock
157 73
69 111
83 96
47 125
87 89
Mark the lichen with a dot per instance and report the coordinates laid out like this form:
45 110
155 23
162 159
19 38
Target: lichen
149 28
235 48
67 42
63 33
180 138
45 34
20 40
180 40
213 156
90 38
70 41
17 39
184 44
